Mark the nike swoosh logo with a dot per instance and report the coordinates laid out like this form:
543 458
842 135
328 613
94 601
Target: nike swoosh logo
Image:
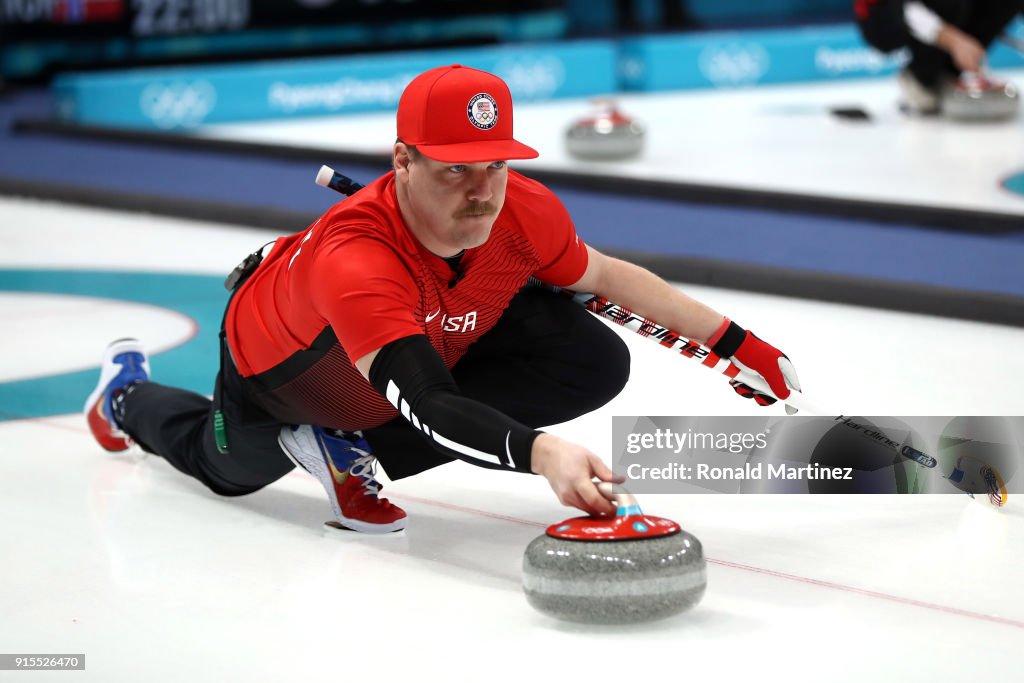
338 476
432 316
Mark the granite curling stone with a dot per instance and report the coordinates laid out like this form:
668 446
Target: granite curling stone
605 135
980 99
980 455
630 568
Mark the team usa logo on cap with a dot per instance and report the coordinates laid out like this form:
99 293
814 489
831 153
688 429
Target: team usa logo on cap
482 111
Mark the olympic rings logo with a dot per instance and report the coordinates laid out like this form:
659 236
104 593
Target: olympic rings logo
532 78
734 64
179 104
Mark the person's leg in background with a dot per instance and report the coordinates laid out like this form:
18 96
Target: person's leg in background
884 26
931 65
986 19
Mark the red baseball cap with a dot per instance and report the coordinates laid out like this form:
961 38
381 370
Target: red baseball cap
457 114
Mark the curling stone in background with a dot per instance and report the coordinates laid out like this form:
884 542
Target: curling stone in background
628 568
606 134
979 480
981 455
976 97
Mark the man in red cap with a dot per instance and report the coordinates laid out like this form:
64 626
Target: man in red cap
401 322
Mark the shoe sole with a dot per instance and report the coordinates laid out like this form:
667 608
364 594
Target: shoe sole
318 468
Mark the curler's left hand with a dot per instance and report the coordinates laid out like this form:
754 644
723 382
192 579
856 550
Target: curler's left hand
752 355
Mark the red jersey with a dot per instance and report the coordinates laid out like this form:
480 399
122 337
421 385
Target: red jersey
357 279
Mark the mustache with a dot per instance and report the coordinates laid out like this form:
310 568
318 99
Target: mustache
476 209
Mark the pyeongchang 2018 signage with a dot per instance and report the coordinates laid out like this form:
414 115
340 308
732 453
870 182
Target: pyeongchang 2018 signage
188 97
530 77
733 59
343 94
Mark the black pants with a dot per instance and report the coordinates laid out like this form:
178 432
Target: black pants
546 361
885 30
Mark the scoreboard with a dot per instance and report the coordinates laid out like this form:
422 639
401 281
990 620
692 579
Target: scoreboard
37 36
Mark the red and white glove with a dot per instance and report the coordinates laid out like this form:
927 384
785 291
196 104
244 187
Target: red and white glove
753 355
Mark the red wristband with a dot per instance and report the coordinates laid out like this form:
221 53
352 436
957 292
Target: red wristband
713 339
